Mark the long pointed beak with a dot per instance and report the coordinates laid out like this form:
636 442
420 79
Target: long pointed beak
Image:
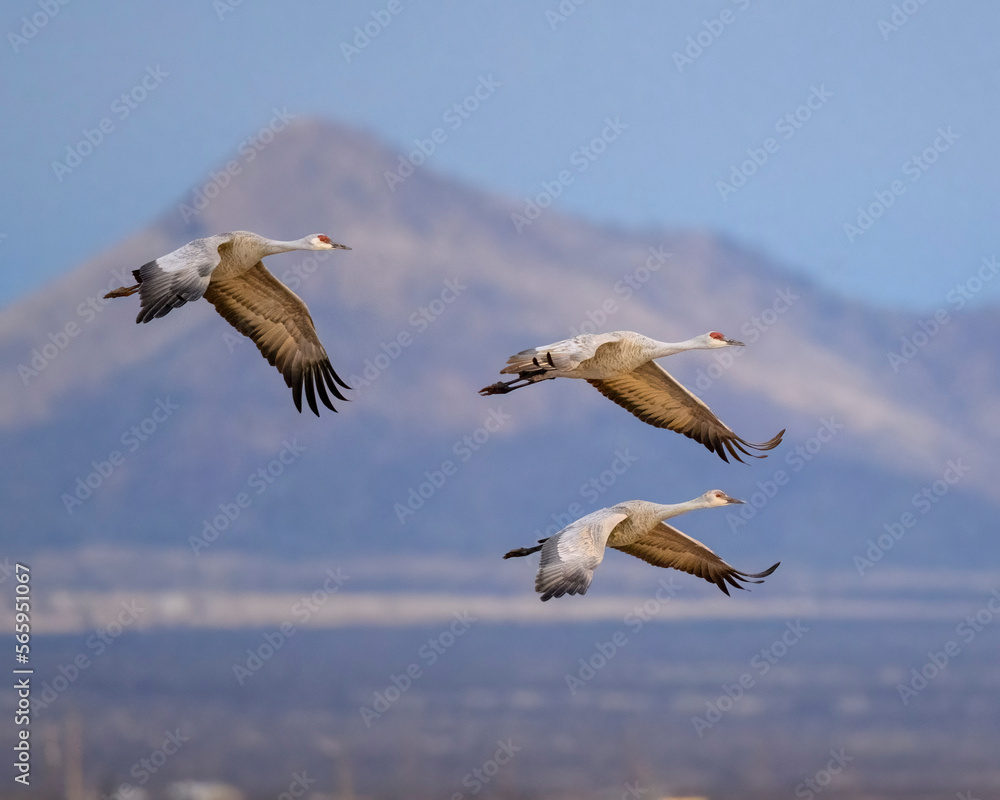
734 500
734 343
335 246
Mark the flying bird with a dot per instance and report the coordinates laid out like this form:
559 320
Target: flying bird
227 270
621 365
636 527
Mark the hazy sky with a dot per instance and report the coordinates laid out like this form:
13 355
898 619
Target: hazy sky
820 109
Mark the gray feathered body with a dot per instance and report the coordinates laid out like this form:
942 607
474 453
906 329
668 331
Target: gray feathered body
588 356
642 517
238 255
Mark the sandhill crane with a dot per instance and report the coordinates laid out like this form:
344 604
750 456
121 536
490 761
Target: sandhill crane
621 366
227 270
636 527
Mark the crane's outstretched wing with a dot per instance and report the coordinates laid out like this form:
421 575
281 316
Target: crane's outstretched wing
259 306
655 397
179 277
570 557
665 546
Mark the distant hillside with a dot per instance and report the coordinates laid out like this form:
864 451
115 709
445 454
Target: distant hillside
439 289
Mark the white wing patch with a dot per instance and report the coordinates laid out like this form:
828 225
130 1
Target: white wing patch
178 277
563 356
570 557
201 256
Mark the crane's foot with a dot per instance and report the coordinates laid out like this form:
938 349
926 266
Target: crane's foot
498 388
523 551
122 291
524 379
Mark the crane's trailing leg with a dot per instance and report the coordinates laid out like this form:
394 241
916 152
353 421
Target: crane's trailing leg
526 551
125 291
523 379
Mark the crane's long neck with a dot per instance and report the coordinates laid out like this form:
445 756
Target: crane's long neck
273 247
676 509
661 349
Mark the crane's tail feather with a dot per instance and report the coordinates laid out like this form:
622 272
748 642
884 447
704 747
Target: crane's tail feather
562 356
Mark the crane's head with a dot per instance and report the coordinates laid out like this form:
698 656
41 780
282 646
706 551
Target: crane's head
717 497
715 339
320 241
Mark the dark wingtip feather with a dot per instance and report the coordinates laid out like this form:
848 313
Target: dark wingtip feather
321 388
733 581
331 379
337 378
765 573
770 444
310 391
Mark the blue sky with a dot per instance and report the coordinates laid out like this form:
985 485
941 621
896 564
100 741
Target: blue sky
887 101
